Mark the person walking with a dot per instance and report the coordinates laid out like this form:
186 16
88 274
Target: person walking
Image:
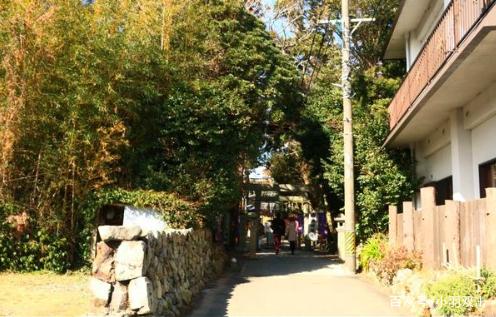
278 229
292 233
268 234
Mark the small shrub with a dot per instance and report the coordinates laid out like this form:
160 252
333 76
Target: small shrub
454 294
394 260
177 212
488 286
373 250
32 251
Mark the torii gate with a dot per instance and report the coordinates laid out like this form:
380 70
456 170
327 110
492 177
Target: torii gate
276 193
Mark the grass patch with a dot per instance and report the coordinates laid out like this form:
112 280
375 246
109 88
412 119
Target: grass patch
41 294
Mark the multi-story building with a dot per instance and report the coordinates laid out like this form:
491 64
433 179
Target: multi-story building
445 109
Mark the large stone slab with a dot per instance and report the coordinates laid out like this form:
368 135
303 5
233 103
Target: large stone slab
119 233
119 299
141 297
103 265
101 291
130 260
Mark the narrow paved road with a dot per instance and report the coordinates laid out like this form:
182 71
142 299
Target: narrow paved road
302 285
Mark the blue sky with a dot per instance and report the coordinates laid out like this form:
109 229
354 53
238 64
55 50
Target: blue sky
278 25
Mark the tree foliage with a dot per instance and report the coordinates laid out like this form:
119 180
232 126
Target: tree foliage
382 176
136 95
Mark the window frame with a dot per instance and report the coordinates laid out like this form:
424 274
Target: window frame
484 168
440 200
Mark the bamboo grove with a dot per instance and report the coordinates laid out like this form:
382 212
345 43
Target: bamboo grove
169 96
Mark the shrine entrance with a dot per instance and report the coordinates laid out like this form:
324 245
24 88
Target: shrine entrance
260 204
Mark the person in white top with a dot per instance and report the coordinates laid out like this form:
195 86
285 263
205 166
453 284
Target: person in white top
292 233
268 233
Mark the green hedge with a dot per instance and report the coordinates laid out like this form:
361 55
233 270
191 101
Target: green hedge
37 249
42 248
177 212
458 292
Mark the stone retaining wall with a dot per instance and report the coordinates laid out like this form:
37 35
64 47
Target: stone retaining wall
151 273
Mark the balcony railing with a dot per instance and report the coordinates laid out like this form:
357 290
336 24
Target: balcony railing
456 22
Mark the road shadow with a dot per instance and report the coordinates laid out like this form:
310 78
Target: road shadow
266 263
214 300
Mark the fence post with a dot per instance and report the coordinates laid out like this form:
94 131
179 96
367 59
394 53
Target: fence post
408 233
393 226
429 248
490 227
452 231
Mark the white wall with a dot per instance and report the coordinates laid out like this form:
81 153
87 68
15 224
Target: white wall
433 152
147 219
483 147
481 108
480 118
461 158
435 166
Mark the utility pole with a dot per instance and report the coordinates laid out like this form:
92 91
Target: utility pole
349 180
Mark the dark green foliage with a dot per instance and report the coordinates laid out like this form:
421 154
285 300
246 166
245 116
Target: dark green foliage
115 95
382 176
177 213
35 249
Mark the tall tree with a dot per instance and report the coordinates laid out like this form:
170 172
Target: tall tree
135 94
382 176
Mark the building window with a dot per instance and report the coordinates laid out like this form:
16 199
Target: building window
444 189
487 176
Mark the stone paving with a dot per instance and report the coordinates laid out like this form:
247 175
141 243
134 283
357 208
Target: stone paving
305 284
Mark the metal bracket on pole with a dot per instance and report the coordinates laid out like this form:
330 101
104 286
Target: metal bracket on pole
358 22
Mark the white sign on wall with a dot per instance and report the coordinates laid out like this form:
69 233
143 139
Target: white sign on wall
147 219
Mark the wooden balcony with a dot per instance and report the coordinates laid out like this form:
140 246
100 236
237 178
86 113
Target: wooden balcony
458 20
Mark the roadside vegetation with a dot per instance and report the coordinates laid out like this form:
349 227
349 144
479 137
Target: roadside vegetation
313 151
455 291
116 97
116 101
385 261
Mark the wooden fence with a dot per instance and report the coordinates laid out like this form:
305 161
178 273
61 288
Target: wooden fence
456 233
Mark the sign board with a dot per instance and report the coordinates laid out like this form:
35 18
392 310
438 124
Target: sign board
147 219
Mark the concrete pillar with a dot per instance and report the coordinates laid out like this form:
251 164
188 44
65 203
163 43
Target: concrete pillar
254 220
461 158
243 232
408 53
252 249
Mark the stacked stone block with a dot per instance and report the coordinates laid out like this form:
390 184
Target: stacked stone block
151 273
